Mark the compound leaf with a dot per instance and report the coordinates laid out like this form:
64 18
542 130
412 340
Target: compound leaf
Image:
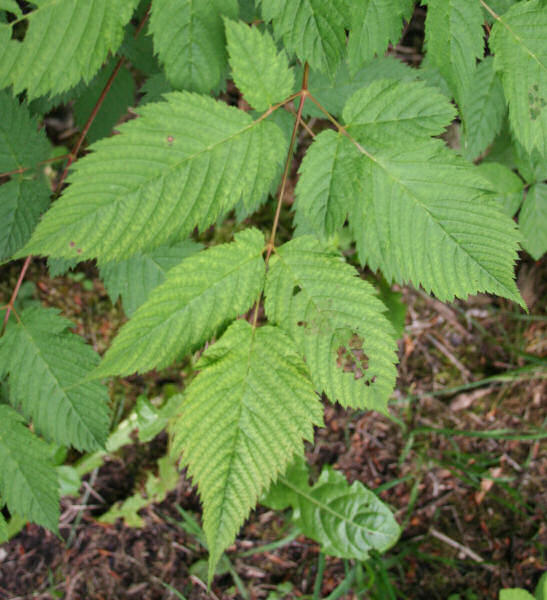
313 29
336 321
483 109
47 365
375 23
199 295
455 39
260 72
28 481
182 164
189 39
518 40
243 419
533 220
134 278
66 41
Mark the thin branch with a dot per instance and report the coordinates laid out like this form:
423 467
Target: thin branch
42 162
15 292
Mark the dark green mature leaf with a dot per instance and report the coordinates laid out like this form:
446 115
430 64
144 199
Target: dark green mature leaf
66 41
518 41
182 164
375 23
199 295
28 481
336 321
455 39
533 220
260 72
313 29
134 278
47 364
483 109
243 419
189 39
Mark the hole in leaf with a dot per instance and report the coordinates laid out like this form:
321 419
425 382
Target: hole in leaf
296 289
351 358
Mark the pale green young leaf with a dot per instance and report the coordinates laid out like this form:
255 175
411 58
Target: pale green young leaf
375 23
28 481
508 187
389 110
454 40
347 520
22 145
427 216
483 109
533 220
243 419
313 29
337 322
333 93
66 41
518 41
134 278
181 165
189 40
198 297
47 364
22 201
260 72
515 594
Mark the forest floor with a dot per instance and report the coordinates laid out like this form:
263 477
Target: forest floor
461 460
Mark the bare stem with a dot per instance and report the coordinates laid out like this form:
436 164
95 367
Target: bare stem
11 302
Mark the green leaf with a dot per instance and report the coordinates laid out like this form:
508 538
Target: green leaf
134 278
426 216
3 529
388 110
454 39
260 72
313 29
21 143
197 298
515 594
120 96
507 185
242 421
28 481
181 165
518 41
533 220
483 109
22 202
541 588
336 321
47 365
375 23
189 40
333 93
279 496
347 520
65 42
10 6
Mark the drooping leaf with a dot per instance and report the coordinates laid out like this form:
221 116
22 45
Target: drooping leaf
518 41
66 41
28 481
260 72
47 364
347 520
313 29
336 321
22 145
182 164
533 220
198 296
375 23
134 278
508 186
189 39
454 39
243 420
483 109
22 201
389 110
